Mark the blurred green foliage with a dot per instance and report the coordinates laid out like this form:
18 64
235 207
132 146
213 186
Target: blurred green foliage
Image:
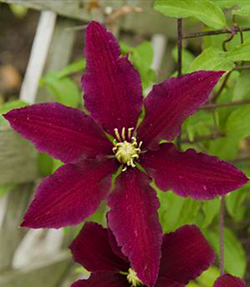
232 122
206 11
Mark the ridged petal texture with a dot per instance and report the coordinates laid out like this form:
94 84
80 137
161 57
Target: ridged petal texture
228 280
171 102
103 279
92 250
111 85
185 254
134 222
70 195
165 282
190 173
63 132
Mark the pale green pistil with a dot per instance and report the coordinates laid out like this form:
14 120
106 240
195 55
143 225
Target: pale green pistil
126 152
132 278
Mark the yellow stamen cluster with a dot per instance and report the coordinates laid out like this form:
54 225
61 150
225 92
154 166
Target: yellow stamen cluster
132 278
126 152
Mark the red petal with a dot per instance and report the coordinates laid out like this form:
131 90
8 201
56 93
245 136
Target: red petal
190 173
103 279
185 254
165 282
70 195
134 222
116 249
112 87
65 133
92 250
229 281
171 102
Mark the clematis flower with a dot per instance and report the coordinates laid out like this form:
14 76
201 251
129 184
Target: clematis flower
185 255
113 98
228 280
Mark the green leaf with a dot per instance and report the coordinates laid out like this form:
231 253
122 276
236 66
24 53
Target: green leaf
212 59
5 188
16 104
206 11
241 87
231 3
65 90
238 123
211 210
176 211
99 215
187 58
6 107
141 57
225 148
75 67
56 164
240 52
207 278
199 124
19 11
45 163
235 203
235 256
243 11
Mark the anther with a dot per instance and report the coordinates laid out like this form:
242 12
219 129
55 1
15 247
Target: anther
117 134
130 132
124 168
123 134
132 163
135 156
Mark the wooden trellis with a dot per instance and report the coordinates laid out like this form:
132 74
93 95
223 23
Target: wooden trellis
51 50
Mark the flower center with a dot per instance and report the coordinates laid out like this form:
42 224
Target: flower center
126 151
132 278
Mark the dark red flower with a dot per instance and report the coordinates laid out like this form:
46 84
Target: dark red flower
185 255
113 97
228 280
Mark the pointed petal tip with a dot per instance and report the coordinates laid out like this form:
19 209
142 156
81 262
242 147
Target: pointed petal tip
111 85
6 115
22 224
93 27
70 195
63 132
189 173
10 115
33 223
94 24
228 280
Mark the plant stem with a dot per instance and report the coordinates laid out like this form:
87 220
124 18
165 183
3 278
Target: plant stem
221 234
180 36
217 32
179 65
203 138
241 159
215 97
246 67
234 103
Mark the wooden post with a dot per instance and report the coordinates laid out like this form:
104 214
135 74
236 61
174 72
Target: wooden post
38 56
10 235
